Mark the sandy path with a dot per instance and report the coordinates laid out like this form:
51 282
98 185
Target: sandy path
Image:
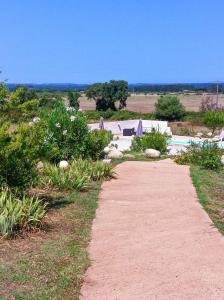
151 240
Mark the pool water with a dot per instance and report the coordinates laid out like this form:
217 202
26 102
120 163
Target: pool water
188 142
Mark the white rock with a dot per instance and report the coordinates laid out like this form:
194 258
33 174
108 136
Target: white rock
222 160
106 161
152 153
36 119
209 134
40 166
63 164
106 150
114 153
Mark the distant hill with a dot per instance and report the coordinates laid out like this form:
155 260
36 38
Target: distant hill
136 87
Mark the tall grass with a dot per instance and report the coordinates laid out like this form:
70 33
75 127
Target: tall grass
78 176
19 214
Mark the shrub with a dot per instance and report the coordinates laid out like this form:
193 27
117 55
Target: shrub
169 108
206 155
154 140
97 140
78 176
18 153
29 106
73 99
214 120
66 134
19 214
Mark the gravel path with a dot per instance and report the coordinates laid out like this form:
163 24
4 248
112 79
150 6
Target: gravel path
151 240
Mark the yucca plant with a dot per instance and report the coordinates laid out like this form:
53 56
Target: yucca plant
78 176
101 170
18 214
62 179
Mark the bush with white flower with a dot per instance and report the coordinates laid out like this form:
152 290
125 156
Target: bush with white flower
66 134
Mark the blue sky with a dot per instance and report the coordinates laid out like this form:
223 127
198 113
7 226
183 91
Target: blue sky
46 41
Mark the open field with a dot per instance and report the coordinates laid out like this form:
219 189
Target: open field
145 103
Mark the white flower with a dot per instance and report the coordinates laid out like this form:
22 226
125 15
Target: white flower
30 123
70 108
72 118
80 109
64 132
36 119
58 125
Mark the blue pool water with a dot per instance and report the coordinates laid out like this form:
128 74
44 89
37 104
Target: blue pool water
188 142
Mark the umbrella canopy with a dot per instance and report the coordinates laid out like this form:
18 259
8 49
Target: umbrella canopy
101 124
139 132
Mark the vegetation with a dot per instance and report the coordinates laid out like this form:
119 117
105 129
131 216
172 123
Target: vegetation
73 98
154 140
107 94
209 185
169 108
206 155
214 120
19 214
78 176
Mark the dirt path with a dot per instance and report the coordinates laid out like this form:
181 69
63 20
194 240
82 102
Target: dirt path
151 239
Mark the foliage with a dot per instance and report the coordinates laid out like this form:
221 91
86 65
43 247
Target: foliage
214 120
209 104
206 155
77 176
19 214
154 140
22 94
73 99
169 108
18 152
4 92
28 106
108 93
66 134
96 141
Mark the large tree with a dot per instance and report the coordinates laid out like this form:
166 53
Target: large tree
108 93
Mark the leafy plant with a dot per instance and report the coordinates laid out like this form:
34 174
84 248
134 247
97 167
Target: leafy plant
206 155
214 120
77 176
154 140
19 214
73 99
97 140
169 108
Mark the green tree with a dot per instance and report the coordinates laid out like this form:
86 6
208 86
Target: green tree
4 92
214 120
169 108
73 98
107 94
22 94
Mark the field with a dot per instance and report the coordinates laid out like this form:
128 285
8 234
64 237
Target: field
145 103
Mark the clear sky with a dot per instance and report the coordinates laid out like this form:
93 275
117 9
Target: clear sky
84 41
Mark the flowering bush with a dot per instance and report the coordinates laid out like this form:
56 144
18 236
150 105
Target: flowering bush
68 136
154 140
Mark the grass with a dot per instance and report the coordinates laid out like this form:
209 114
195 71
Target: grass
210 189
51 265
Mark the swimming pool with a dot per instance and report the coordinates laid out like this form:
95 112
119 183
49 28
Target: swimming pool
186 142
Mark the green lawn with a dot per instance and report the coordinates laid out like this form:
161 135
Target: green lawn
210 189
51 264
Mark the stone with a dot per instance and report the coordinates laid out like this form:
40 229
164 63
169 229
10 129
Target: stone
222 160
36 119
106 150
114 153
152 153
40 166
209 134
106 161
63 164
